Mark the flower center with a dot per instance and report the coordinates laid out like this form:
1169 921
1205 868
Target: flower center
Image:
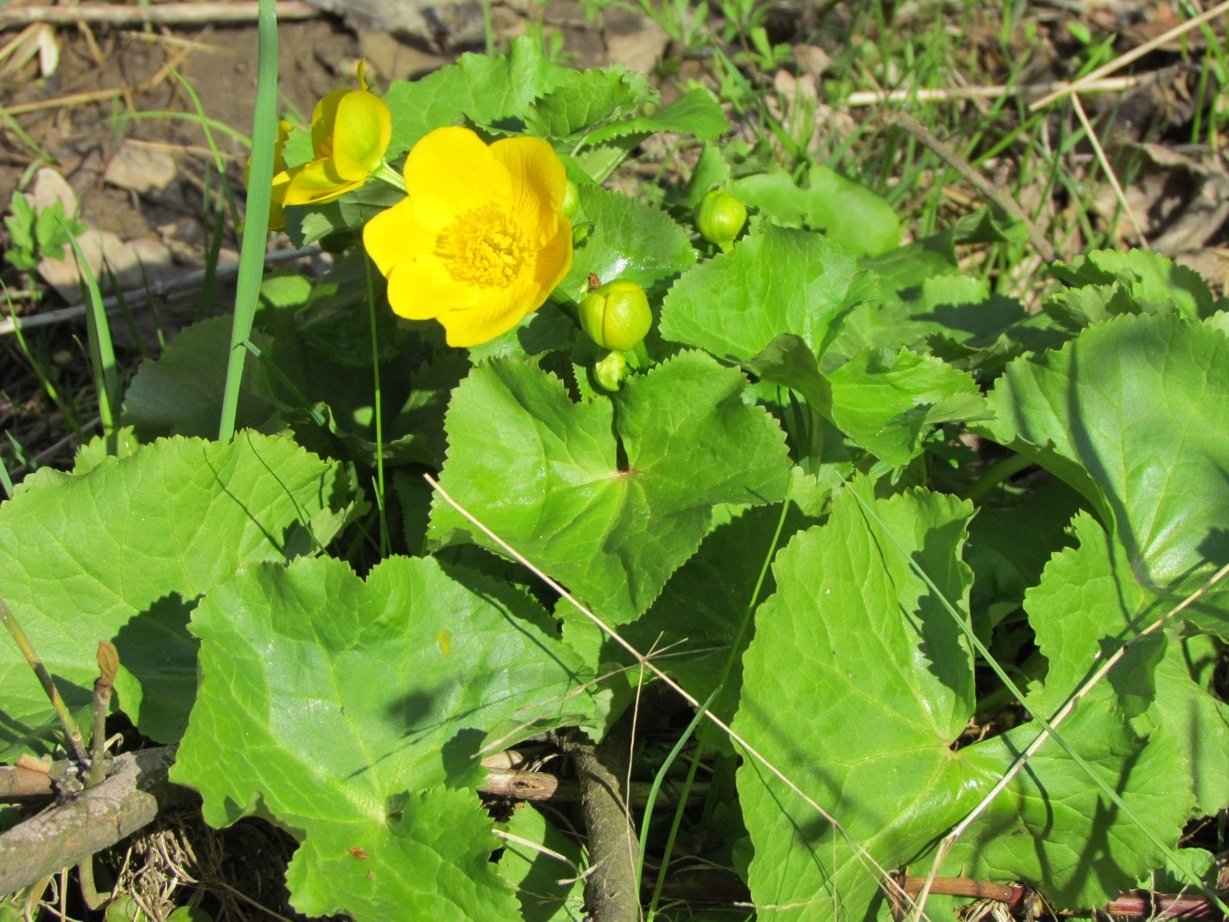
484 247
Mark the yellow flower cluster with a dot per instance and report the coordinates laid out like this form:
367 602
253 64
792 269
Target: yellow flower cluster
480 240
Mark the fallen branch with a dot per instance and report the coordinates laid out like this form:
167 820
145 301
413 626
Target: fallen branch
115 14
611 894
98 818
189 282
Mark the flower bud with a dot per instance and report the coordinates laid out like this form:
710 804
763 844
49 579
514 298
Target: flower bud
720 218
610 371
571 200
616 316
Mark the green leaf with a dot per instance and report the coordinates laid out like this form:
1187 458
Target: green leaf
698 615
486 90
123 551
629 241
775 281
1131 414
695 114
883 402
848 212
550 890
180 392
609 497
589 98
1052 826
855 685
1086 607
854 638
888 402
1106 283
337 702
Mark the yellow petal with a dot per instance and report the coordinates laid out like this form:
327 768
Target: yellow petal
498 311
554 259
421 289
317 182
450 172
281 181
539 180
393 237
324 116
362 129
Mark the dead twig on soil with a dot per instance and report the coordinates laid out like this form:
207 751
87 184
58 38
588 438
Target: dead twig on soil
98 818
610 890
998 91
952 158
190 282
116 14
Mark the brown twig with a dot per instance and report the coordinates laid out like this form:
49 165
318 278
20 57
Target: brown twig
189 282
115 14
611 894
98 818
953 159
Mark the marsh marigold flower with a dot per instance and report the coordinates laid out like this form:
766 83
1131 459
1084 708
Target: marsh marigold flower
350 133
479 241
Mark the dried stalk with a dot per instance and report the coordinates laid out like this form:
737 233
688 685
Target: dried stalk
115 14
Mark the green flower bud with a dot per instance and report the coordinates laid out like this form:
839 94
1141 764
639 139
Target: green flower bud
571 200
720 219
616 316
610 371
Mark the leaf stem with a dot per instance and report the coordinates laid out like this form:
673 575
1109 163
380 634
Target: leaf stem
44 679
997 474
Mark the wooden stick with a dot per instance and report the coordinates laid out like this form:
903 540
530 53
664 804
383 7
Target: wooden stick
949 93
187 284
72 832
115 14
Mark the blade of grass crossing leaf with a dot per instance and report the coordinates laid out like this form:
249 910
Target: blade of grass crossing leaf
883 879
377 407
260 192
102 353
1048 726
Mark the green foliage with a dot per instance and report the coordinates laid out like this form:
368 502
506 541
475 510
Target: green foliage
375 693
125 549
609 497
881 516
37 234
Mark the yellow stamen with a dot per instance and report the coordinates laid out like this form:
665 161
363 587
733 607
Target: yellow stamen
484 247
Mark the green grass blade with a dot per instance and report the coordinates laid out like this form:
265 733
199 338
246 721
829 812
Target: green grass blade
260 191
103 368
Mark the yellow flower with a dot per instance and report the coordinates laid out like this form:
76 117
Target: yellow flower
479 242
350 133
281 177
